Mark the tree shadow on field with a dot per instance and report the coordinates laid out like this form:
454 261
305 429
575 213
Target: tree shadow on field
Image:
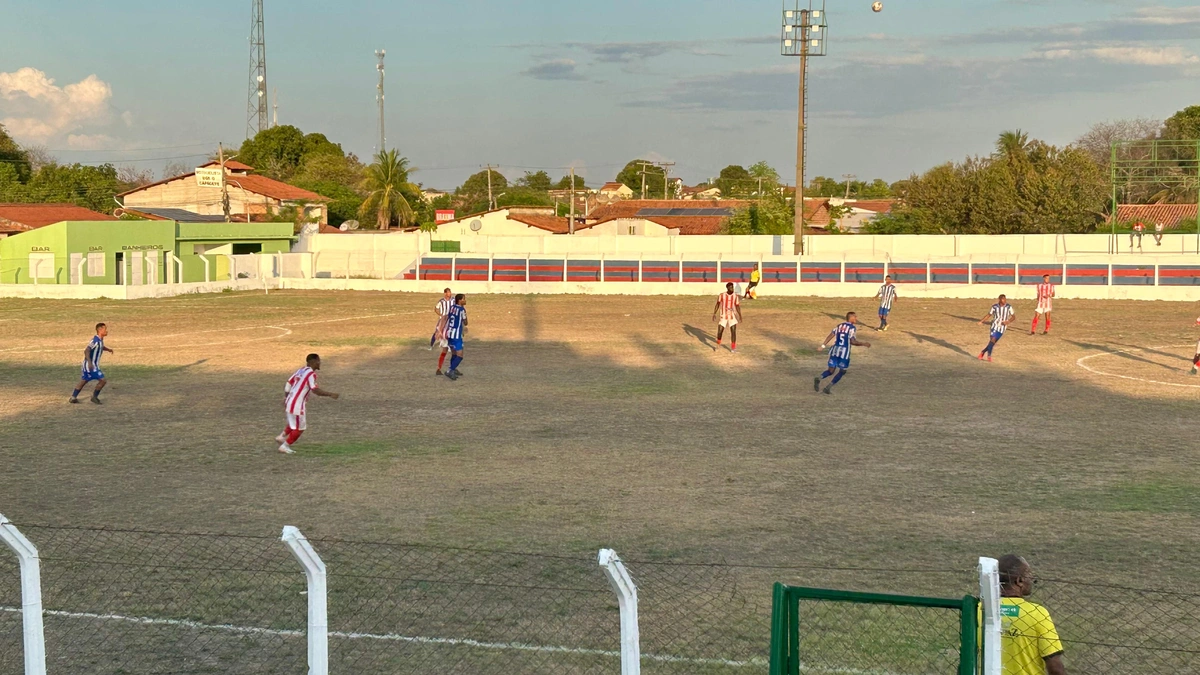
922 339
707 339
1106 349
1169 355
963 318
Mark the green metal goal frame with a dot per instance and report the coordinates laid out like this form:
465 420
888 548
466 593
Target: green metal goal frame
1163 163
785 621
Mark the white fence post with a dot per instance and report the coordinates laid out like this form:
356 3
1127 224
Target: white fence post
622 585
318 615
31 597
207 269
989 595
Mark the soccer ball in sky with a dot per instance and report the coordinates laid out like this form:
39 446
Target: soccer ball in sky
877 7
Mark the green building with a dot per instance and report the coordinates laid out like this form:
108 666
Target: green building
134 251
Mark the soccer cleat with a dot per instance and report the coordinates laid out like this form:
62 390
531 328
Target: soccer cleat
1033 332
816 384
96 401
286 449
1045 332
457 373
981 356
72 400
439 371
733 350
989 358
451 375
829 389
1195 370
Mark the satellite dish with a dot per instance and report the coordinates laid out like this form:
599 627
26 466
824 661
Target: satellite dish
344 227
476 225
351 224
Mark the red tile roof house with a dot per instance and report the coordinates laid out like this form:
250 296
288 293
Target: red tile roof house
1170 215
17 218
691 217
251 197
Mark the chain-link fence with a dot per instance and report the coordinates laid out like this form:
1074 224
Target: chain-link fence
128 601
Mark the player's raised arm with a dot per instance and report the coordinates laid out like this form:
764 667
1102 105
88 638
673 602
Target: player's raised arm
828 339
856 343
321 392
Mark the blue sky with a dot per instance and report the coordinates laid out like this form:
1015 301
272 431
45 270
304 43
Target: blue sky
550 84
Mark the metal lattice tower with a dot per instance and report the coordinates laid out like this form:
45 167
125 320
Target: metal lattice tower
257 118
379 97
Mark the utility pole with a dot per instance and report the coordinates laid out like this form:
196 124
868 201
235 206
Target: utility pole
666 177
491 202
571 224
256 103
379 54
224 184
803 36
849 177
643 172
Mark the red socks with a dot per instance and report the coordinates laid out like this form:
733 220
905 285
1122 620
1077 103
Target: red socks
293 435
1047 323
1033 328
441 360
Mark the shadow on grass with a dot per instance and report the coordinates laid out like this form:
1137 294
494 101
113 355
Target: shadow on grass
963 318
922 339
1122 354
707 339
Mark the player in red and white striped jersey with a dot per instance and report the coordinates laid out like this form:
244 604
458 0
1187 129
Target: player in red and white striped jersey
728 314
1045 302
302 383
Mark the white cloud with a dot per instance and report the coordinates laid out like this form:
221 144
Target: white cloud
1167 16
89 141
1138 56
35 109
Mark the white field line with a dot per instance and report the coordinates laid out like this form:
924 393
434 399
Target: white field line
1081 363
457 642
282 327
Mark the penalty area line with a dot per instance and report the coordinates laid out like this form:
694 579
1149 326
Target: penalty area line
1081 362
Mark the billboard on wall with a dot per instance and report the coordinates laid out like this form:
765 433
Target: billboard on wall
209 178
444 215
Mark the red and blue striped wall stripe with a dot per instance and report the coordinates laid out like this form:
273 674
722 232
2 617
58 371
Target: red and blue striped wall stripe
660 271
864 272
1178 275
994 274
906 273
545 270
737 271
1033 274
702 272
948 273
1133 275
821 272
620 270
1087 275
779 273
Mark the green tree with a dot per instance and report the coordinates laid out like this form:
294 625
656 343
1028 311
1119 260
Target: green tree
876 189
91 187
772 215
764 171
477 185
735 181
656 178
338 177
1183 125
1012 145
12 154
565 183
280 151
537 181
386 183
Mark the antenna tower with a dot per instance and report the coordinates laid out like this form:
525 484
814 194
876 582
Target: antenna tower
380 53
257 118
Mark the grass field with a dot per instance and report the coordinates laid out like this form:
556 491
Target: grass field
584 422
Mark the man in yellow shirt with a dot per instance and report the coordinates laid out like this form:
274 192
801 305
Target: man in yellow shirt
1029 643
755 277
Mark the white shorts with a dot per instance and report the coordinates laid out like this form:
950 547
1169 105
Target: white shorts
298 422
1043 309
444 343
728 323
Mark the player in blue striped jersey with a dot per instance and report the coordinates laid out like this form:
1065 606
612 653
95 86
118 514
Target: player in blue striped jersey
452 328
886 295
843 338
1001 315
91 365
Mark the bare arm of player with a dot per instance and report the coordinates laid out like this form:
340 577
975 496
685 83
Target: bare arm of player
986 318
1054 665
856 343
441 326
827 339
321 392
716 308
108 350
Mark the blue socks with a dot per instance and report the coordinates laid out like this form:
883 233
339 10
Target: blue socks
827 374
75 394
988 349
838 378
454 361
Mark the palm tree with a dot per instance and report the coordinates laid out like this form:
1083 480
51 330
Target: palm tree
1012 144
385 182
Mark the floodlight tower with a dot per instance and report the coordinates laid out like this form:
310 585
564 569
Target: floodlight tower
803 36
379 54
257 118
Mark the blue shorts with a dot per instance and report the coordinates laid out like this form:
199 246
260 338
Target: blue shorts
92 376
884 311
455 344
838 362
996 335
